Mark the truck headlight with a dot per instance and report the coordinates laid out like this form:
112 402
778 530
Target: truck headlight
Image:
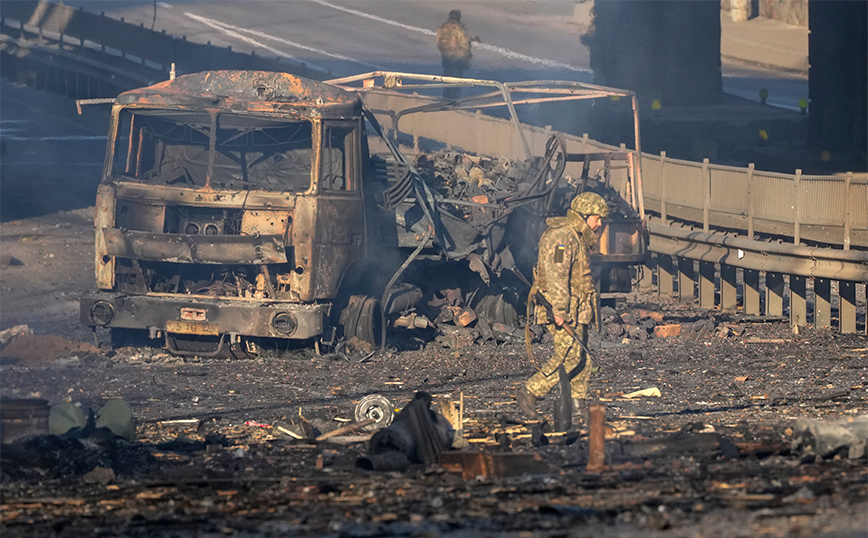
102 313
284 323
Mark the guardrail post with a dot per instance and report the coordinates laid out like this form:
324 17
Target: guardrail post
797 212
686 280
798 301
706 194
750 208
664 215
665 274
751 292
706 285
847 182
647 280
477 118
774 294
822 303
728 287
847 307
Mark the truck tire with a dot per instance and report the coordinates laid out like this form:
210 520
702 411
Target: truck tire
362 318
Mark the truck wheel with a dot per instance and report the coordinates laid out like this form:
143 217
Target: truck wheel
362 318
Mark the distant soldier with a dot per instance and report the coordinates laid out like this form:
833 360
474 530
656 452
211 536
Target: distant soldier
454 44
563 276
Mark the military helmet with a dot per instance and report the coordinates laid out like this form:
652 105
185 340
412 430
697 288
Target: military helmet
590 203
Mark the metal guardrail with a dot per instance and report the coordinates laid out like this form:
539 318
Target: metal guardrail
825 209
710 266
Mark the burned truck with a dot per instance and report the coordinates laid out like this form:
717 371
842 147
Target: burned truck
242 207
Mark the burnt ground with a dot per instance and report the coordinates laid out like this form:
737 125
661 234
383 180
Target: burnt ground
220 475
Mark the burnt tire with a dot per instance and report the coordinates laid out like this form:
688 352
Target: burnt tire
362 318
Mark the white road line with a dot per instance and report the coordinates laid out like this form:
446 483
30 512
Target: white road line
234 31
485 46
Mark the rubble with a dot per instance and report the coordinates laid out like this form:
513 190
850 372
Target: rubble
418 434
826 438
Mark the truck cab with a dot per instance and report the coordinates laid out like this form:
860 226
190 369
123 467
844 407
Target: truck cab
231 206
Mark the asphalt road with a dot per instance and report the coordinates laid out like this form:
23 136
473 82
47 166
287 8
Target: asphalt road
520 40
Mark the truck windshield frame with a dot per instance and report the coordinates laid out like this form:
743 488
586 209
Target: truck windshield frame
174 148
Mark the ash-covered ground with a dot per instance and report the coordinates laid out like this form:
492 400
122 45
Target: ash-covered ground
711 456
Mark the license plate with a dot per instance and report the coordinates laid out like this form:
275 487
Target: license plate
190 327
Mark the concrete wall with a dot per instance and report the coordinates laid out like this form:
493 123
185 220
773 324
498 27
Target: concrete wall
793 12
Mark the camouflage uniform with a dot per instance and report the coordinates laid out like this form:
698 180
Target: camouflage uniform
454 44
563 276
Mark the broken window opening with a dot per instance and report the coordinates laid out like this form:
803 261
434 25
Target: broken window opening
338 165
251 153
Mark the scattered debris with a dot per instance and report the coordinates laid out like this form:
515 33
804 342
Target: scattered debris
22 418
100 475
828 438
28 348
417 433
478 463
652 392
115 417
7 335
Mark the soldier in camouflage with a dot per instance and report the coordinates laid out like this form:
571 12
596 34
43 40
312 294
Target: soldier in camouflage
454 41
563 276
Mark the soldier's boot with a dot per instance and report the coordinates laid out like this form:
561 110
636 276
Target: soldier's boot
527 403
582 412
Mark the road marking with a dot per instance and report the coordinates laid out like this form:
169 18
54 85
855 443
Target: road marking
485 46
234 31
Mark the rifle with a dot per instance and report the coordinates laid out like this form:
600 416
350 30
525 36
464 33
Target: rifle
541 300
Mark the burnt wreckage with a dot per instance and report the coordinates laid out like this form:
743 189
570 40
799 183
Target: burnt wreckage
238 207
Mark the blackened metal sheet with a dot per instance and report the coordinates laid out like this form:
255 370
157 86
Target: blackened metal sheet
251 91
178 248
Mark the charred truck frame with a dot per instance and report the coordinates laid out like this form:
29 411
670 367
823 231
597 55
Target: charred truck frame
243 205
